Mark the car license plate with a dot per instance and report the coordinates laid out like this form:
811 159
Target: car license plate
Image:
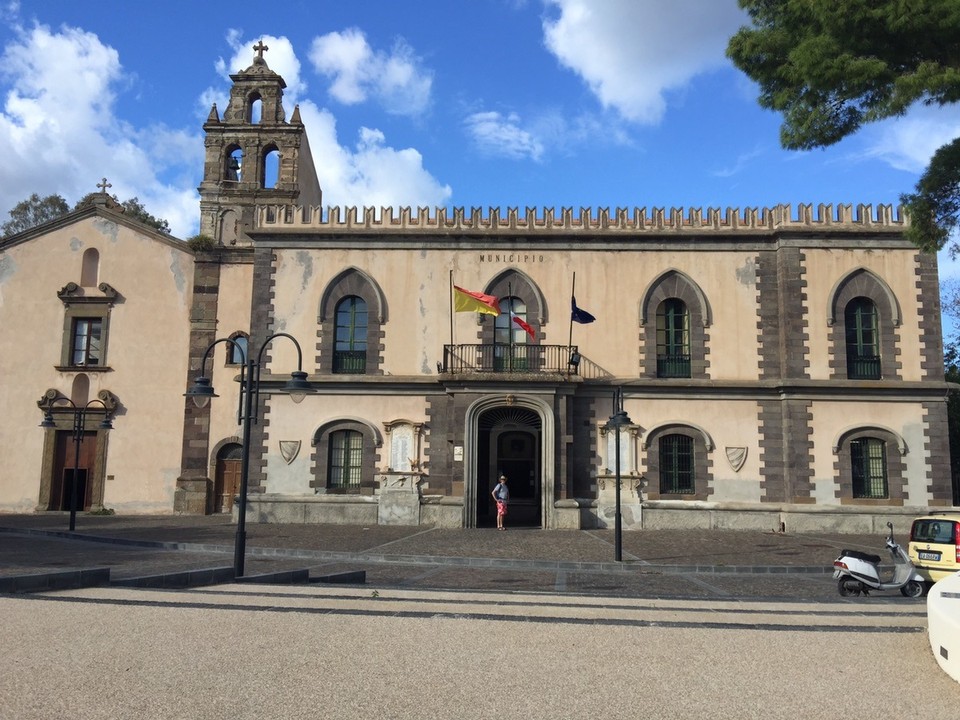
928 555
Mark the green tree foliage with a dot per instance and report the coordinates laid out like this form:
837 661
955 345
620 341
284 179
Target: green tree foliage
830 67
133 208
34 211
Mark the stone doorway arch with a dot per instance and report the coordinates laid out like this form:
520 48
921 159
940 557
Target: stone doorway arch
514 436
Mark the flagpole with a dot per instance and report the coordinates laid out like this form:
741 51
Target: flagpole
450 294
573 294
510 323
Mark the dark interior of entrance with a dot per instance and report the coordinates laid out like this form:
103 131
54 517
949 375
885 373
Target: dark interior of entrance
508 443
69 468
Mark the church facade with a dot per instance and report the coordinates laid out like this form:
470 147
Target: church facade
775 368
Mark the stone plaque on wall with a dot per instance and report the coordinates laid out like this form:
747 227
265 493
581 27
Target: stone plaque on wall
402 448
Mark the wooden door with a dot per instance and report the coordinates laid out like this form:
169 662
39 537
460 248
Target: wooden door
226 485
67 470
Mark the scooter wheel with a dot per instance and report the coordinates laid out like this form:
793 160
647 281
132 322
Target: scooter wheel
913 589
848 587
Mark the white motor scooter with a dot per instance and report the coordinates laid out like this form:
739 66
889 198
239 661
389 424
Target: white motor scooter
858 573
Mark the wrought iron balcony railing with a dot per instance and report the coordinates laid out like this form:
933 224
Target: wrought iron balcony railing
350 361
864 367
511 359
673 366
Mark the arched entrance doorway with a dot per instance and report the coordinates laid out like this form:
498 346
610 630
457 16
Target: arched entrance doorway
226 484
509 442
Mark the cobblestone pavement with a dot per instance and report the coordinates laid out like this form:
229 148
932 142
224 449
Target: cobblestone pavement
656 563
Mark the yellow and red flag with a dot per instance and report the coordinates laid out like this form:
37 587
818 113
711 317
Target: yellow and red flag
469 301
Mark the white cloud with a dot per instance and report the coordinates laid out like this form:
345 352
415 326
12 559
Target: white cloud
907 143
397 80
630 53
280 57
500 135
58 121
370 174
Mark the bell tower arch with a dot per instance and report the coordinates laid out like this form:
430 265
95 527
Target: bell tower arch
253 156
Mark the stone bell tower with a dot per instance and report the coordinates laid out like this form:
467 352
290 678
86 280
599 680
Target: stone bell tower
254 156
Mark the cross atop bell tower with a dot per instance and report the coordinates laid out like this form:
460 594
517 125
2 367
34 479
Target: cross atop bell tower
254 156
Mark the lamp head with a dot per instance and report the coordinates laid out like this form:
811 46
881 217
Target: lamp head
48 421
619 419
297 386
201 392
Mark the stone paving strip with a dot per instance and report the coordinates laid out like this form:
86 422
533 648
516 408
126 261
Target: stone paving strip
884 617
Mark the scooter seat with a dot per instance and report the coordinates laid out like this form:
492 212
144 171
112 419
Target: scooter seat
866 557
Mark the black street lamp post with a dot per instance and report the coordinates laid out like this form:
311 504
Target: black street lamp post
618 421
201 392
79 426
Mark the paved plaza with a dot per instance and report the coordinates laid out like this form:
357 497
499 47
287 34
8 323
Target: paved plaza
677 563
251 651
452 624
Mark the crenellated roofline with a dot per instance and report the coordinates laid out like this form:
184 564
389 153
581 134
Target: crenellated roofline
494 221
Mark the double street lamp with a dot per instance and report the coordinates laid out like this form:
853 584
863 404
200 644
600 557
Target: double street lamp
615 424
201 391
79 428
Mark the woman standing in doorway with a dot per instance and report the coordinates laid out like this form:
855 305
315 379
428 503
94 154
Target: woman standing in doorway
501 494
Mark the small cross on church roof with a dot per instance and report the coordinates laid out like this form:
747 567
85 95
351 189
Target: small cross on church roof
103 185
260 48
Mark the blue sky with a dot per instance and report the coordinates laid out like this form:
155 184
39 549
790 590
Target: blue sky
542 103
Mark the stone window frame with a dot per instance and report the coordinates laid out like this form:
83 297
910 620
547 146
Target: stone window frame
351 282
855 284
80 306
702 461
676 284
895 450
320 468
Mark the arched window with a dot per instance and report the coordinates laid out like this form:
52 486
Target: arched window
863 316
255 108
271 168
677 476
345 459
232 164
237 352
350 345
868 467
862 339
90 270
362 319
673 339
678 463
675 317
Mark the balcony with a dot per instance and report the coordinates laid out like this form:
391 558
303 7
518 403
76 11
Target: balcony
673 366
863 367
537 359
350 361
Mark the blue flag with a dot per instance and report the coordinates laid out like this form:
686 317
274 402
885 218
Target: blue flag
578 315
